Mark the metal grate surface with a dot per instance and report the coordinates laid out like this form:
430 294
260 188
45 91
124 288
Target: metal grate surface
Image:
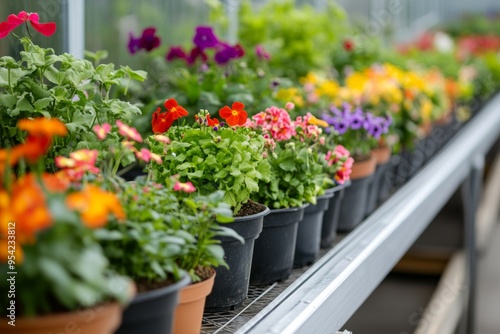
258 298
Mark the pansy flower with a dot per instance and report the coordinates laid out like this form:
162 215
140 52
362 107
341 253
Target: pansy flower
176 52
13 21
148 41
173 107
235 115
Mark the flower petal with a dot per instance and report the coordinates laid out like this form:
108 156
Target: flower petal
170 103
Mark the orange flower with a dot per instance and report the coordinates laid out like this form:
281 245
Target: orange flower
26 207
173 107
234 115
43 127
41 130
8 158
95 205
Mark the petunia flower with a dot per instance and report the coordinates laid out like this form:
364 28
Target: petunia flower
225 53
205 38
196 53
13 21
102 130
234 115
128 131
175 109
187 187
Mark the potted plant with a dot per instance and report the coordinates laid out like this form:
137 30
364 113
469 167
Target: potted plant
76 91
218 155
296 175
52 264
358 131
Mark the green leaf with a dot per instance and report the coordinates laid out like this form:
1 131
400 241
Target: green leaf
288 165
23 104
42 103
15 75
8 100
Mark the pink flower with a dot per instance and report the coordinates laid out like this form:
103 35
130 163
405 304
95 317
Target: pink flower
78 163
146 155
322 140
102 130
185 187
129 145
128 131
341 151
162 139
13 21
289 106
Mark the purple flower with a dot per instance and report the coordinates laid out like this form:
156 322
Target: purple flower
356 119
261 53
176 52
341 125
134 44
375 129
225 54
196 53
148 41
205 38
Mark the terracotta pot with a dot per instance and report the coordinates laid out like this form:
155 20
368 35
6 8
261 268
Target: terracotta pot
365 168
189 311
382 154
102 319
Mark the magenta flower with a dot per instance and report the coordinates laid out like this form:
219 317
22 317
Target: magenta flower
205 37
148 41
225 53
196 53
176 52
261 53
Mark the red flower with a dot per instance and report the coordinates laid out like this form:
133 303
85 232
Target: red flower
173 107
13 21
212 122
234 115
161 122
348 45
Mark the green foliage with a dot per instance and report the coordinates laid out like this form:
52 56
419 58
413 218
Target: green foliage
296 177
166 233
229 159
73 90
299 39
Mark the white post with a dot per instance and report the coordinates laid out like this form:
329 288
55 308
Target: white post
76 27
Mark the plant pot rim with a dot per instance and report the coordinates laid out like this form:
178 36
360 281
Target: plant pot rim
155 293
339 187
185 292
254 216
325 195
293 208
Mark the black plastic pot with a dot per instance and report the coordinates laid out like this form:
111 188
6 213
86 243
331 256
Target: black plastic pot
388 182
331 215
353 208
231 285
152 311
309 232
275 248
375 186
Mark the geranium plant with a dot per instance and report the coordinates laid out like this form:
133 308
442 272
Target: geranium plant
296 172
47 231
75 91
212 154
